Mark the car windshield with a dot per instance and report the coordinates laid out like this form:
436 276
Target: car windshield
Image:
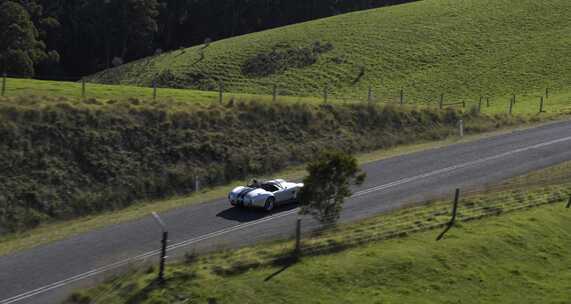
270 187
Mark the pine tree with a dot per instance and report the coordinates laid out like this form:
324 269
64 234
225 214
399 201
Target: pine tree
20 49
141 27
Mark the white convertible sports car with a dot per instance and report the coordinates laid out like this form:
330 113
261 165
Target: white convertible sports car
267 195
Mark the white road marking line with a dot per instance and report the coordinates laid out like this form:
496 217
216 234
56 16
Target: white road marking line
145 255
140 257
460 166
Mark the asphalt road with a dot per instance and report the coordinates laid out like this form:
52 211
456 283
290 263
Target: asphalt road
48 273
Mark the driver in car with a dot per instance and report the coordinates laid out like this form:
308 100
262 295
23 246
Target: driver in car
254 184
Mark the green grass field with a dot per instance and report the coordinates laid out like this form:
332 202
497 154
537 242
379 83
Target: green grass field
73 90
462 48
513 258
559 102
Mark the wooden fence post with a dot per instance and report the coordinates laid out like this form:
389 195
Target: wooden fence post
370 94
541 105
480 104
441 103
453 219
82 88
163 257
511 106
154 89
487 102
455 206
275 93
3 91
220 92
298 238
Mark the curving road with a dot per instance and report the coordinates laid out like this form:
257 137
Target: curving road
48 273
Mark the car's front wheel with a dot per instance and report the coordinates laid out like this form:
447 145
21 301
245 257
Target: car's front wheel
270 204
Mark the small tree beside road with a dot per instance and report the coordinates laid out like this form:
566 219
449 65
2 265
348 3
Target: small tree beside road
328 184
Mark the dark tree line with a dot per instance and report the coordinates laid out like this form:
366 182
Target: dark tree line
59 38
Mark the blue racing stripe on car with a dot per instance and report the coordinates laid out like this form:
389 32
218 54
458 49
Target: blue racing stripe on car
242 194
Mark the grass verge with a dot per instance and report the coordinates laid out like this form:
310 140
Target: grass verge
515 258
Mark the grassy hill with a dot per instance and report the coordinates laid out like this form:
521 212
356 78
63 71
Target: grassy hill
462 48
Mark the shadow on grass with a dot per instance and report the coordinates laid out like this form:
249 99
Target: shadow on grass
285 262
241 266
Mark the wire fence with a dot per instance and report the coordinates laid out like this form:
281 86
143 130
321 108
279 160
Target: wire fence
303 236
233 250
81 88
134 268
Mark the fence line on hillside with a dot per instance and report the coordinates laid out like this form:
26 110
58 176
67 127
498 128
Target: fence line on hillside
328 94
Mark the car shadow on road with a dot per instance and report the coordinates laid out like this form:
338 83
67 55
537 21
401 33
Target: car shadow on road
244 215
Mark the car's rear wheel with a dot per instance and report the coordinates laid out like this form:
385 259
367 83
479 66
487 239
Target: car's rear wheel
270 204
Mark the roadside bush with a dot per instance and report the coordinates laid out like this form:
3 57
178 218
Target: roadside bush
279 60
168 79
201 81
